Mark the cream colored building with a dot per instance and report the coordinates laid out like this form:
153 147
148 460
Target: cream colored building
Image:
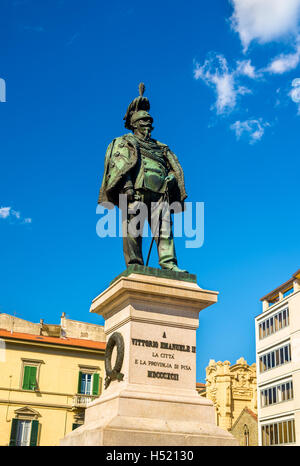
48 374
232 388
245 428
278 365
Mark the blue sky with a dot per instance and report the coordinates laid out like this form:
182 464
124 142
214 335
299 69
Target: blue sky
223 82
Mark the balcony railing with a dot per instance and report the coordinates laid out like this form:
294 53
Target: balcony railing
81 401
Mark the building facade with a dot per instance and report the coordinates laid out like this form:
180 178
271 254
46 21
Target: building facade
277 331
245 428
48 375
232 389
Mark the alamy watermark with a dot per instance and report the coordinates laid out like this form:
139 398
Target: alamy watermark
156 219
2 90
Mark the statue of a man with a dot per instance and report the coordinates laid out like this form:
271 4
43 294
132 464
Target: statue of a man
147 171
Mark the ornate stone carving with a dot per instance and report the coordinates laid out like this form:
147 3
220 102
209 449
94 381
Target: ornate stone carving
226 384
114 373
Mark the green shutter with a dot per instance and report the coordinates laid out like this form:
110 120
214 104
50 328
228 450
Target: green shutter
79 382
26 376
32 379
29 378
34 433
95 384
13 433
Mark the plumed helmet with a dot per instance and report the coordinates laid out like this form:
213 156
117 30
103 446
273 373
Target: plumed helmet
137 109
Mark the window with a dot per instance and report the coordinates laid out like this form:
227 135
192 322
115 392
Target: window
284 318
286 354
88 383
273 324
29 378
278 433
275 358
30 373
246 435
24 433
280 321
277 394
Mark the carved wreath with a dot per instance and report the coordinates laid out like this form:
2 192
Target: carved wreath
116 339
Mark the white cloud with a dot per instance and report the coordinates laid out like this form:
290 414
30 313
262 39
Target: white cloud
4 212
245 68
253 129
295 93
262 21
215 73
265 20
8 212
285 62
15 214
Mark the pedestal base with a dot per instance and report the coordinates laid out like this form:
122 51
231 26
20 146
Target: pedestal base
151 397
138 416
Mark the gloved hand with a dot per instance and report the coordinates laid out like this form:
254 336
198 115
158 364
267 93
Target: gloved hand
130 194
170 180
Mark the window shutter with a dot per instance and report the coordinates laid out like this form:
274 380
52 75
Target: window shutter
29 378
95 384
26 376
79 382
34 433
13 433
32 379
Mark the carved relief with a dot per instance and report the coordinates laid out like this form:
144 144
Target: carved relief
226 383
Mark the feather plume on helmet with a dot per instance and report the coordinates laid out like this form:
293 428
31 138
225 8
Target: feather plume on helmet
137 109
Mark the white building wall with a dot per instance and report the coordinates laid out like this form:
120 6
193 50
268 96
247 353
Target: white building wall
285 372
294 304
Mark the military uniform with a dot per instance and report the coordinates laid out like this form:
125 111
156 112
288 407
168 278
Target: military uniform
142 166
124 154
151 169
131 163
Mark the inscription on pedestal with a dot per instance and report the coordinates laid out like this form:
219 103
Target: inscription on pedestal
162 359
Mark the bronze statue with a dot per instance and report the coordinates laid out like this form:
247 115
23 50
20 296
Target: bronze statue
145 170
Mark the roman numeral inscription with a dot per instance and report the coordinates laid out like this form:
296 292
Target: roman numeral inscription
162 358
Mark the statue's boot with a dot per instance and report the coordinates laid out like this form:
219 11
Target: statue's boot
167 254
174 268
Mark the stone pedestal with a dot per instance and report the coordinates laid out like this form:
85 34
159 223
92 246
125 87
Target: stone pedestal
155 403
